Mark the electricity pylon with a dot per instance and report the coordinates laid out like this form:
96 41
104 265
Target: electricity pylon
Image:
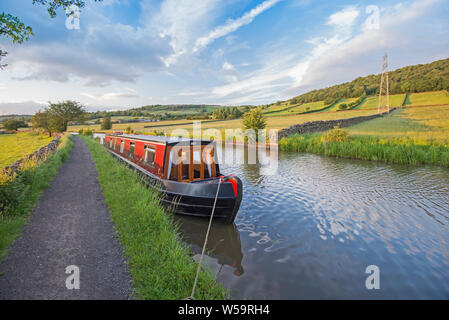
384 76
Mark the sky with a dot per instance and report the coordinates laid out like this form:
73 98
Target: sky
129 53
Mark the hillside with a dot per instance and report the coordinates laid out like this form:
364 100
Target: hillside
432 76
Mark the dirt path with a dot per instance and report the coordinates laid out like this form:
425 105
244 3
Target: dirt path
70 226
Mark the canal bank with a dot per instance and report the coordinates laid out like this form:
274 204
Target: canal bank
160 265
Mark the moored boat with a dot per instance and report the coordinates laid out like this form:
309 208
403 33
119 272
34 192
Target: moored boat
184 170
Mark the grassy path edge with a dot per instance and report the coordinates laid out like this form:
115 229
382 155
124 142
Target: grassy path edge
160 264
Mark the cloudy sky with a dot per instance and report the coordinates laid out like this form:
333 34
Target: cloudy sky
128 53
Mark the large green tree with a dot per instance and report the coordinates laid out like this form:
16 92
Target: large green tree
12 27
254 119
66 111
56 116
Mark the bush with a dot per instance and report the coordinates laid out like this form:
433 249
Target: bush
335 135
88 132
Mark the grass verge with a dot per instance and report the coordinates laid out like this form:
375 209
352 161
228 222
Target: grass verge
160 265
391 150
28 187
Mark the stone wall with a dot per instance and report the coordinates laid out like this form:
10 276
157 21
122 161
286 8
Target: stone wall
317 126
39 155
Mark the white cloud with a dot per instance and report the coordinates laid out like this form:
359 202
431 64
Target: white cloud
344 18
233 25
340 56
128 93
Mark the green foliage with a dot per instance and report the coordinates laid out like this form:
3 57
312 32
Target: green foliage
254 119
87 132
394 150
106 124
227 113
343 106
13 124
56 116
160 265
334 135
11 27
129 130
53 5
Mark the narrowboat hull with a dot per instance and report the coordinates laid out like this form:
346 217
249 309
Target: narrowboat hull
197 197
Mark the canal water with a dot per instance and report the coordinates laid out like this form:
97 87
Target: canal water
311 230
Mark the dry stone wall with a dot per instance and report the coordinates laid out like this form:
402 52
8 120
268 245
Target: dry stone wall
317 126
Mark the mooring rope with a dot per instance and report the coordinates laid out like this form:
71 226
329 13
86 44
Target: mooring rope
204 245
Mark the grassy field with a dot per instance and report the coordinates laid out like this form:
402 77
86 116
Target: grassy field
423 125
372 102
273 122
20 194
428 98
407 136
160 265
16 146
335 106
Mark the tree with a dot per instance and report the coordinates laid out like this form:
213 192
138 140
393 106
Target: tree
254 119
106 124
11 27
13 124
66 111
56 116
43 120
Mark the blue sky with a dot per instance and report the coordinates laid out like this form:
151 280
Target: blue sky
129 53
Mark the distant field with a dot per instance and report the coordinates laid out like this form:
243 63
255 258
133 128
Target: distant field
421 124
336 106
16 146
311 106
273 122
372 102
286 109
428 98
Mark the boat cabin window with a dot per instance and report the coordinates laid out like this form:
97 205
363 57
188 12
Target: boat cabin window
132 146
189 164
122 146
110 143
150 155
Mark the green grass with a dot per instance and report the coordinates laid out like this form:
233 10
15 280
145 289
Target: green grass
372 102
424 125
30 185
160 265
407 136
335 106
16 146
428 98
395 150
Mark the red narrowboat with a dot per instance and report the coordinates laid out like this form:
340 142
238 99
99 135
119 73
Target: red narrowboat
184 170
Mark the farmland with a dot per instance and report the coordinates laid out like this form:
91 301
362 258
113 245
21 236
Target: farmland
16 146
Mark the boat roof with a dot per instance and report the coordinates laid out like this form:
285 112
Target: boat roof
160 139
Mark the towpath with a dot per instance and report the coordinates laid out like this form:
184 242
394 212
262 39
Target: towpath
71 226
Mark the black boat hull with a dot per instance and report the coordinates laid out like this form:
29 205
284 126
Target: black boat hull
196 198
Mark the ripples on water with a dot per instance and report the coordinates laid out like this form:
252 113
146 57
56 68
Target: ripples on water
311 230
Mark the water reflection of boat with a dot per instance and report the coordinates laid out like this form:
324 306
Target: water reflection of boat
223 244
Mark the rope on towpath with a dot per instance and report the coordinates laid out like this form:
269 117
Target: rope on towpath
204 245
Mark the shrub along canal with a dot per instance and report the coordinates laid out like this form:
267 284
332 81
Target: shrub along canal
312 229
